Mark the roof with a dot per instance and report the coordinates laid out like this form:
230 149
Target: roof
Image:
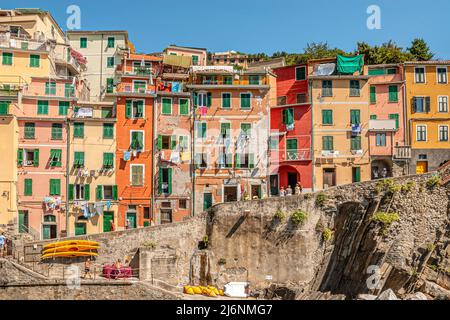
182 47
431 62
146 57
272 63
386 65
98 32
340 77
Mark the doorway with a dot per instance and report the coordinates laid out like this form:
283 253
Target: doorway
230 194
23 221
274 185
292 179
108 216
329 178
131 220
421 167
80 229
48 231
256 191
166 216
207 201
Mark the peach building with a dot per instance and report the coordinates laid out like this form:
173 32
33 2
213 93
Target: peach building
231 132
199 55
387 135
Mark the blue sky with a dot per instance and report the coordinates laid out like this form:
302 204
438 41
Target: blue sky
258 26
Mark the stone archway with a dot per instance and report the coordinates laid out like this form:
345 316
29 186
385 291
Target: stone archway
381 168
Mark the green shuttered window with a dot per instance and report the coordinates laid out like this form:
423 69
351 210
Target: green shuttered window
184 107
108 160
355 143
245 100
137 140
166 106
29 130
355 116
55 187
83 43
50 88
395 117
78 130
63 107
78 159
4 107
327 117
373 95
28 187
393 94
57 131
35 61
327 143
55 157
226 100
108 131
288 116
7 58
42 107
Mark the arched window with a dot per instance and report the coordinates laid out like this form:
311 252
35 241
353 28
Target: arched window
50 218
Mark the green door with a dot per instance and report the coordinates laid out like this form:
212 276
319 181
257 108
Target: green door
108 216
23 221
80 229
207 201
46 231
131 217
356 173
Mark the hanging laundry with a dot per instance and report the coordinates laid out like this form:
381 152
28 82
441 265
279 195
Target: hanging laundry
127 155
290 127
99 208
91 207
203 110
85 209
185 156
108 205
175 157
175 87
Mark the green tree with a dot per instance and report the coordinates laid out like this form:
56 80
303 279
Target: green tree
420 50
388 52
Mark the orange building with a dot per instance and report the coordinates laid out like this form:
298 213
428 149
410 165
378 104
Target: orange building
135 91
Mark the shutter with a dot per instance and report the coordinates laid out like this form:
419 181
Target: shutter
159 142
373 94
414 104
140 139
284 116
87 192
208 99
237 160
203 130
114 192
28 187
393 93
70 192
128 107
36 157
99 193
195 99
251 160
427 104
169 174
57 187
140 108
160 175
19 157
173 142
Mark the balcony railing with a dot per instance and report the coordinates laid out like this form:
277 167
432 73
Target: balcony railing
231 82
21 44
60 91
402 152
10 85
129 88
298 155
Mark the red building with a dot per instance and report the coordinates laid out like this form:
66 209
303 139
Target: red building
290 142
135 91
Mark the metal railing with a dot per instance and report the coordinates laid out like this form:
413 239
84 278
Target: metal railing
231 82
58 91
15 43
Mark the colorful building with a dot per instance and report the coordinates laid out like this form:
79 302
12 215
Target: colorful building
173 126
199 56
92 190
135 93
387 134
290 123
427 95
339 92
231 132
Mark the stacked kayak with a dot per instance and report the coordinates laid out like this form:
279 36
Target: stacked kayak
70 249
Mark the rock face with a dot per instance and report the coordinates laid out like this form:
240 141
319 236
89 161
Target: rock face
416 296
387 295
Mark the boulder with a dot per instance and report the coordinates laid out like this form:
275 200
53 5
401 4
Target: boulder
387 295
416 296
366 297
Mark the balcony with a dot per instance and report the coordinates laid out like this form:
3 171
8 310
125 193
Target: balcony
298 155
23 44
229 82
402 152
52 90
104 114
382 125
11 85
127 89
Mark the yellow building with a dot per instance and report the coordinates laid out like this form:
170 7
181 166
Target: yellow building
428 118
339 103
92 168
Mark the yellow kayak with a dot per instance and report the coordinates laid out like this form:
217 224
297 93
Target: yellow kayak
71 243
77 248
69 254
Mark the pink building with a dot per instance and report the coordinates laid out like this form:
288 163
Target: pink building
42 156
387 120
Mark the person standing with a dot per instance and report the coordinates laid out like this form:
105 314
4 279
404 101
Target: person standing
87 268
2 245
282 192
288 191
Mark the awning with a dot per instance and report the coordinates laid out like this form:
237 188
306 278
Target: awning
178 61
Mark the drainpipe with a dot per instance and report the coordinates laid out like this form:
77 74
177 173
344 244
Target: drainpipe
407 126
193 153
312 136
101 65
154 114
67 175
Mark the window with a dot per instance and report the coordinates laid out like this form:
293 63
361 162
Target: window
110 62
201 160
356 174
184 107
281 101
55 157
28 158
391 71
137 140
55 187
109 85
165 181
246 130
301 98
166 142
111 42
57 131
83 43
377 72
225 130
107 112
108 131
443 103
108 192
443 133
373 117
327 143
327 88
108 160
300 73
63 107
201 130
228 80
134 109
28 187
79 192
78 130
355 116
139 86
291 149
354 88
245 160
327 117
225 159
273 143
166 106
253 80
29 130
355 143
419 74
395 117
50 88
4 107
182 204
442 74
202 99
7 58
137 175
69 90
195 60
226 100
35 61
373 95
288 116
78 159
393 94
381 139
245 100
421 133
421 104
42 107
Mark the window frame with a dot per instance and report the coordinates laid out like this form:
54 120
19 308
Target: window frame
108 60
425 132
188 106
222 100
424 74
249 98
439 104
162 106
83 42
300 67
439 132
143 139
108 125
113 42
131 175
437 74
